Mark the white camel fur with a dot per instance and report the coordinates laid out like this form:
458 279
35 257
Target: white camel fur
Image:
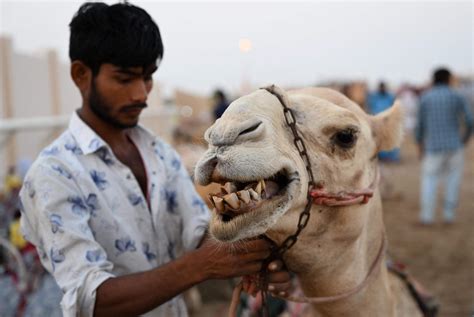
333 254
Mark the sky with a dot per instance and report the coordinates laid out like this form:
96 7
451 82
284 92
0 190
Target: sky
292 43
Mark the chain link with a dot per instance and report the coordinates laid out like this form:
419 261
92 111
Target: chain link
301 147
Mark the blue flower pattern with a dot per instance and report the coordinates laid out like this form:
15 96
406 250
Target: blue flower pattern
171 203
93 203
146 250
105 156
74 148
135 199
50 151
29 188
56 223
99 179
56 256
157 151
176 164
78 206
95 255
61 171
125 244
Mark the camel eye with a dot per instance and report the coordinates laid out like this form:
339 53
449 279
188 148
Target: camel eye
345 138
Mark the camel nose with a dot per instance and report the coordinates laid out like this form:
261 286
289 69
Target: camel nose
227 133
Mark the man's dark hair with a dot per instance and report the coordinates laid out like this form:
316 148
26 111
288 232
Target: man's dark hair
382 87
441 76
121 34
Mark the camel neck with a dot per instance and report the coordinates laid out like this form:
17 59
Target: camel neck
344 267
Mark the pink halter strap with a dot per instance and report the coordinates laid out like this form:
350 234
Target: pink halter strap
344 198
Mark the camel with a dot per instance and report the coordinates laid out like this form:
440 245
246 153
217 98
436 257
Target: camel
251 151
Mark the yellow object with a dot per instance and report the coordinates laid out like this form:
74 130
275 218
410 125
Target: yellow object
12 182
15 235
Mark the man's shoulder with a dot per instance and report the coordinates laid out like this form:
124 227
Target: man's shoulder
62 145
61 152
433 94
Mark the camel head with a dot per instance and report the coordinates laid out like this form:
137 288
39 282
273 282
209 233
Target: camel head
252 153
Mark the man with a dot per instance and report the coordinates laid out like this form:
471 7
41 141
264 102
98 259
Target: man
441 136
220 103
109 207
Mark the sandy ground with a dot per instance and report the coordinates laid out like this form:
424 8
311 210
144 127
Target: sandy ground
441 257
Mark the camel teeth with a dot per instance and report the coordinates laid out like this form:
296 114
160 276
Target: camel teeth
232 200
264 186
219 203
254 195
244 196
211 199
258 188
228 188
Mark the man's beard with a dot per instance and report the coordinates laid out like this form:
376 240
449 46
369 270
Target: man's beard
104 111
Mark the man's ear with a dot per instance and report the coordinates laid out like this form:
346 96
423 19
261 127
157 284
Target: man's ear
81 74
387 127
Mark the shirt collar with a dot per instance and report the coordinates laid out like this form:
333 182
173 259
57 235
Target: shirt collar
86 138
89 141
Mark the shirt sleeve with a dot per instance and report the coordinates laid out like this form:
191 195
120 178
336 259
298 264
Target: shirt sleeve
55 217
194 212
420 122
467 116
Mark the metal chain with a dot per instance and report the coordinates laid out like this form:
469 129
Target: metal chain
304 216
301 147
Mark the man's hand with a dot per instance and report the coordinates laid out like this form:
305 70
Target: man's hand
226 260
279 280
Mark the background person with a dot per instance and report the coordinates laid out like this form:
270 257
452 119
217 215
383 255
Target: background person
220 103
444 126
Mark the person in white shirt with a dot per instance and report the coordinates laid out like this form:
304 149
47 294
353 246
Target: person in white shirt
111 209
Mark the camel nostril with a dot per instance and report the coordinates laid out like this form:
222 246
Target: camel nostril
251 129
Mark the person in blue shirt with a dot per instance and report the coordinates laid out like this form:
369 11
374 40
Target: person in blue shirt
377 102
444 126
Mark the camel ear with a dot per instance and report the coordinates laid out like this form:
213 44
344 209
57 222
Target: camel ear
387 127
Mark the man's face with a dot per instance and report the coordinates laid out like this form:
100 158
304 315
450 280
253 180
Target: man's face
118 95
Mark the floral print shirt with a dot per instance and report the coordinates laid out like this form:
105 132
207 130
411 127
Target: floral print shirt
85 212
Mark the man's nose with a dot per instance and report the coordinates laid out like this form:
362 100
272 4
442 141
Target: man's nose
139 92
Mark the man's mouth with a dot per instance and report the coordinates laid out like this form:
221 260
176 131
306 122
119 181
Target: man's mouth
134 108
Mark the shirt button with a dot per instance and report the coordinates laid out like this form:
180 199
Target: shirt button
129 176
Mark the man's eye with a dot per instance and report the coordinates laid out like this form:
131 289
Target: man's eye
124 80
345 138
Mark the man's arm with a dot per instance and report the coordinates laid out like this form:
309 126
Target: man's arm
468 119
138 293
419 128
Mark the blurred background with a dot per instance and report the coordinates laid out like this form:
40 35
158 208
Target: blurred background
218 51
